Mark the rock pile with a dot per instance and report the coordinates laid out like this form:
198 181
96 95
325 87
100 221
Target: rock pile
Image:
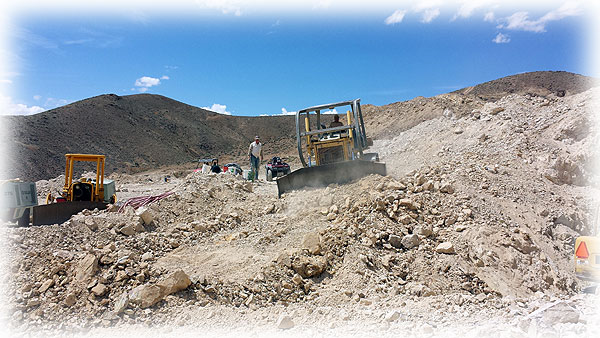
480 220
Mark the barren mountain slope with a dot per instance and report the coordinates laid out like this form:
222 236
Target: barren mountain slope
389 120
542 83
135 132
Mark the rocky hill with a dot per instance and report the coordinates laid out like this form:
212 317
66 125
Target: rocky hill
542 83
145 131
388 120
135 132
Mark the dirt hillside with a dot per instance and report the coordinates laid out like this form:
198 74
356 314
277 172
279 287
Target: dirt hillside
544 83
135 132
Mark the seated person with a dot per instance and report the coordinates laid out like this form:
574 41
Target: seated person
215 168
336 121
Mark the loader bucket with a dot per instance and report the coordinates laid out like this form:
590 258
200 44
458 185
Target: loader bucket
324 175
57 213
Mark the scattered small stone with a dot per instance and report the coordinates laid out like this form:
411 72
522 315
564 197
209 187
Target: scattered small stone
99 290
285 322
445 248
410 241
392 316
47 284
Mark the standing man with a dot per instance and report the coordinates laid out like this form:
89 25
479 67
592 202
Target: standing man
255 154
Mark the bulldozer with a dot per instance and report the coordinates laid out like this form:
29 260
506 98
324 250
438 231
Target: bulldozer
77 195
333 155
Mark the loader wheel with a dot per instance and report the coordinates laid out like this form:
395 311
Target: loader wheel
24 220
49 198
113 199
269 175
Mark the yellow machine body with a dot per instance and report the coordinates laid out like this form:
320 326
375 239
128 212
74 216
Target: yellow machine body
84 189
333 154
77 195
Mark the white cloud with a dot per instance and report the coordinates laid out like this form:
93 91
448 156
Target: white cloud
501 38
8 107
430 14
396 17
489 17
225 6
426 4
429 8
570 8
323 4
467 8
34 39
77 42
145 82
218 108
9 81
521 21
53 103
37 97
285 112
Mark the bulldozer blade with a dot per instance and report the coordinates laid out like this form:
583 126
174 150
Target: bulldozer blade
57 213
322 176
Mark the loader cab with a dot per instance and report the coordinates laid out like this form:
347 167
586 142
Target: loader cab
86 189
82 191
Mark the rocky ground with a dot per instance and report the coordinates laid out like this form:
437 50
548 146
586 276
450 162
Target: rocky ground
470 234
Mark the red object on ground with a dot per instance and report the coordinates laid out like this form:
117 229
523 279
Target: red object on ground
137 202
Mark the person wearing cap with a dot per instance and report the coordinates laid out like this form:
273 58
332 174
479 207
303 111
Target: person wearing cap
256 155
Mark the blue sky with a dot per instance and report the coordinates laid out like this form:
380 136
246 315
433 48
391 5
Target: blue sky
249 58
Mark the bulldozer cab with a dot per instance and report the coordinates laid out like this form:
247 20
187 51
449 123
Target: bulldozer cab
334 154
337 143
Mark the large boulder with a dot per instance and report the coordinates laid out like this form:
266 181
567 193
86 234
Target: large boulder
309 266
410 241
312 243
395 241
86 268
176 281
146 295
556 312
445 248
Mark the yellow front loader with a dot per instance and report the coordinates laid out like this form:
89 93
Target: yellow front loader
77 195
